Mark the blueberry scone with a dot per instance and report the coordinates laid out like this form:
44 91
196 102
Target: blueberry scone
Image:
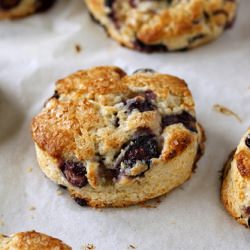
236 182
11 9
163 25
31 241
117 140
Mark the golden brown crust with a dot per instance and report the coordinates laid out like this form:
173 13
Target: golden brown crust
31 241
50 129
177 25
176 143
92 119
22 8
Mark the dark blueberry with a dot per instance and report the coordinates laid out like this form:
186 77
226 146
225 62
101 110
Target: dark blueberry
117 122
109 3
44 5
112 14
81 202
75 173
143 147
184 49
206 15
140 46
185 118
248 222
148 71
140 103
9 4
229 25
62 186
132 3
56 95
247 141
109 175
150 95
247 210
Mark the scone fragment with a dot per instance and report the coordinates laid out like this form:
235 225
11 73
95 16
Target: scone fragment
117 140
31 241
11 9
235 188
163 25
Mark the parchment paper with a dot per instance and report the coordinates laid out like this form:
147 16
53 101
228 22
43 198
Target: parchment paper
38 50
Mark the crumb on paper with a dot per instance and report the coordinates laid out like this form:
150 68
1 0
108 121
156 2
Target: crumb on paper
224 110
29 169
1 222
59 191
150 204
78 48
32 208
132 246
89 247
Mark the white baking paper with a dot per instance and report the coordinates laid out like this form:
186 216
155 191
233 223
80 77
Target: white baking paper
38 50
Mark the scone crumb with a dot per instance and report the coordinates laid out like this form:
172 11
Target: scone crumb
32 208
29 169
226 111
59 191
78 48
89 246
132 246
1 222
150 204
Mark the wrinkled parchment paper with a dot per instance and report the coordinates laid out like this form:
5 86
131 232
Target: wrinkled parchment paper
38 50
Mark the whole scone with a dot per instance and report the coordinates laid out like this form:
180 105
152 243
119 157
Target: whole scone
11 9
236 182
163 25
117 140
31 241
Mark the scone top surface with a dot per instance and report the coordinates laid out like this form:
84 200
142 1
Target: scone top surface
102 125
163 25
236 182
31 241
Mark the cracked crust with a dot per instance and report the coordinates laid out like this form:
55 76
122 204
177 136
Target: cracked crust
78 123
13 9
162 25
235 183
31 241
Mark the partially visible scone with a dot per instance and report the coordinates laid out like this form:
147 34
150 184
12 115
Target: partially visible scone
31 241
235 188
11 9
117 140
163 25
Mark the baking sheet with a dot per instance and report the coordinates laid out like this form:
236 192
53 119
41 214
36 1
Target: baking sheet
36 51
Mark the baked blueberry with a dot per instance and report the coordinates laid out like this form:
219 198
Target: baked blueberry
75 173
247 141
184 117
